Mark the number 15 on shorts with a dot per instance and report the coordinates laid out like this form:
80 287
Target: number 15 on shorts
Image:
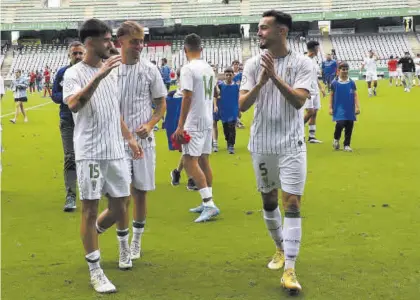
94 171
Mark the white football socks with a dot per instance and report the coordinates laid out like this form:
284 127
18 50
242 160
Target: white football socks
273 221
292 237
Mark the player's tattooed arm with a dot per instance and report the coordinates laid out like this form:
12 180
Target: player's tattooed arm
144 129
296 97
159 110
77 101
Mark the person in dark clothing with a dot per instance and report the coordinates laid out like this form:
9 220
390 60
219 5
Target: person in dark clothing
76 53
165 70
408 69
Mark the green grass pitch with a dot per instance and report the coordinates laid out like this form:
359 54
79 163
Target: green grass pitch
352 248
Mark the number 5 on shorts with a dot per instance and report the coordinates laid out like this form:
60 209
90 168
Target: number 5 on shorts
263 169
94 170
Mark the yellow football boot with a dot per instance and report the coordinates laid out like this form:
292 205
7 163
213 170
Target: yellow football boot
289 281
277 261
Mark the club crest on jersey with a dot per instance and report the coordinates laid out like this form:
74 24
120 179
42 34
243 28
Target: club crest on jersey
244 80
94 185
68 86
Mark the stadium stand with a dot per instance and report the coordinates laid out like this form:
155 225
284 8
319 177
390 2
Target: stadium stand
345 5
296 6
35 58
218 51
157 53
354 48
293 43
194 8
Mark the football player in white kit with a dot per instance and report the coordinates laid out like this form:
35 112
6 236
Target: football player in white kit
198 82
369 63
279 82
399 73
313 104
139 85
90 91
417 63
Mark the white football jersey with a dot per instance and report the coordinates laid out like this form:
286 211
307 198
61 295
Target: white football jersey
138 85
1 85
19 87
417 63
278 127
97 125
198 76
315 86
370 64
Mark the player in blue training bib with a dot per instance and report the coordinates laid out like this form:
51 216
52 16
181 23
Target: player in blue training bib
228 108
344 106
329 70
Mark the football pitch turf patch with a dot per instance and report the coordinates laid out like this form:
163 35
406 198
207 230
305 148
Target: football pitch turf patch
361 217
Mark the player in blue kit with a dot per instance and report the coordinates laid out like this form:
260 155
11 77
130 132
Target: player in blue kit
344 106
329 70
228 108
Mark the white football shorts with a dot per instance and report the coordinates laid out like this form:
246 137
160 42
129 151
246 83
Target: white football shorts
393 74
314 102
142 171
200 143
286 172
371 76
102 177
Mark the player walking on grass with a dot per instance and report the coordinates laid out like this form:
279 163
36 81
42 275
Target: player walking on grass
90 91
417 64
171 120
279 82
371 72
47 82
2 91
227 107
408 69
329 70
392 69
197 84
139 85
344 106
19 86
76 53
313 104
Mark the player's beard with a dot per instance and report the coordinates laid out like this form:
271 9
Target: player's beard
105 54
264 44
